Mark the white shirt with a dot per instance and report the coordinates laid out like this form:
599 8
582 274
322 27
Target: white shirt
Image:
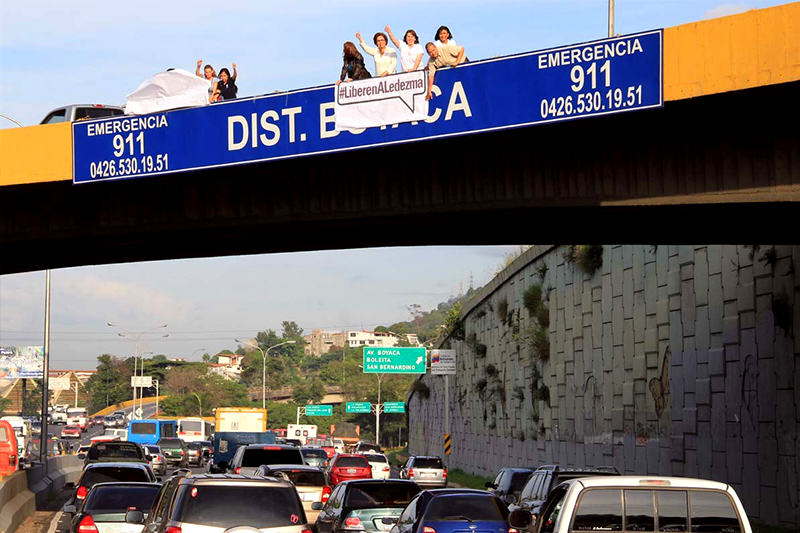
409 54
438 44
383 63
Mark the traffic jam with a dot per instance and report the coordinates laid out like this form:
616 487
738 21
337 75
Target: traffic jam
185 475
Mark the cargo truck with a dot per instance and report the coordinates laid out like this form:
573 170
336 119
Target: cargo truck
301 432
245 419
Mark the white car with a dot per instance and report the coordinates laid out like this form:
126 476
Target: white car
380 465
599 504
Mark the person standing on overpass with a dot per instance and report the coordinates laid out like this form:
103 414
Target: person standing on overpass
447 55
385 58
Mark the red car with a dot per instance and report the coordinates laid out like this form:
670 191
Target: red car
8 449
71 432
347 466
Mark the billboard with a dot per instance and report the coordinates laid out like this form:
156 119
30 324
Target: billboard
21 362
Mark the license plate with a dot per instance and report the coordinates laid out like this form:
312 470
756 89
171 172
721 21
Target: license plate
352 470
309 497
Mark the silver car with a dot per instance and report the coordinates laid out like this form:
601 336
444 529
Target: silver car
427 471
157 462
213 503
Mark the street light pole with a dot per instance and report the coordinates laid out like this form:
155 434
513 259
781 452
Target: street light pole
136 337
264 355
610 18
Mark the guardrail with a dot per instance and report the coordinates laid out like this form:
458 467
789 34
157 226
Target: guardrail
127 403
24 491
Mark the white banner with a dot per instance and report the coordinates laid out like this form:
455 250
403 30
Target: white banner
61 383
141 381
382 101
443 362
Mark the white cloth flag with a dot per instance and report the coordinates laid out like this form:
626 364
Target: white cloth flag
168 90
381 101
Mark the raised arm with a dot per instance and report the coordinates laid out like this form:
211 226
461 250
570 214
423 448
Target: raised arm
235 73
197 71
364 46
391 36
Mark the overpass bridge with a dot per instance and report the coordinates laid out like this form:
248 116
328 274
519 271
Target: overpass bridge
717 162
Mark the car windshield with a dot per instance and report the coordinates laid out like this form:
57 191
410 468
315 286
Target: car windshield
112 473
171 443
253 505
465 507
366 495
317 454
426 462
352 462
266 456
518 480
194 445
127 450
120 498
373 458
302 478
153 450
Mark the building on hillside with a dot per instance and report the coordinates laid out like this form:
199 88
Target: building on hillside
321 342
228 365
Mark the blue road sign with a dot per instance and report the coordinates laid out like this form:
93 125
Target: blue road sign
595 78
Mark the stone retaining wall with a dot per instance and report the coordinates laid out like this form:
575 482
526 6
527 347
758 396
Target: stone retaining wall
679 360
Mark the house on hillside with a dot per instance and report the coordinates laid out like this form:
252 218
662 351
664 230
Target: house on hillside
228 365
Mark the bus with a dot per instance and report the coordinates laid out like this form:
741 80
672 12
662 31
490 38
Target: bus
150 431
78 416
194 429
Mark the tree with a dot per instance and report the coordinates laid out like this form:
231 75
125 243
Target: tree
309 393
111 383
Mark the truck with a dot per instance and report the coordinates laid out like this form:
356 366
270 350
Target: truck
301 432
226 443
247 419
22 430
78 416
60 414
348 432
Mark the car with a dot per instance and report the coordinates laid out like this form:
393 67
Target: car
108 434
194 453
367 447
98 420
347 466
207 447
426 470
106 472
338 445
293 442
599 503
116 451
213 503
36 427
71 432
174 452
309 481
77 112
508 483
248 458
82 450
157 461
327 445
451 511
364 505
379 464
315 456
107 505
9 454
545 478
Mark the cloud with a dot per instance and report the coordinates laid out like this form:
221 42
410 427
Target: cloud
726 9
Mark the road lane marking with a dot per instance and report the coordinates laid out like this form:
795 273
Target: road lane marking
54 522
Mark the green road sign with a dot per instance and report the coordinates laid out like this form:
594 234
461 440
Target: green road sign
358 407
319 410
394 360
394 407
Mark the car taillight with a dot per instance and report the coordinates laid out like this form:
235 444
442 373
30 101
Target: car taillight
306 531
411 474
385 468
182 453
238 470
353 522
173 529
428 529
512 530
11 460
326 493
86 525
81 492
444 472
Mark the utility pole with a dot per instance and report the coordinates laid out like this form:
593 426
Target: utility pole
378 410
610 18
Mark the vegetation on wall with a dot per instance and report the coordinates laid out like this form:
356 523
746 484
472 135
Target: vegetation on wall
588 257
421 389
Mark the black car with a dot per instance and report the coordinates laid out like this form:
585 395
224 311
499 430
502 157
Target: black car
175 452
546 478
372 504
109 503
116 451
248 458
107 472
508 483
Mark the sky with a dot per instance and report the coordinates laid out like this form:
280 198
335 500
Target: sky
92 51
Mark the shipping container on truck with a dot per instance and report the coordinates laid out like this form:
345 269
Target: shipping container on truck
302 432
249 419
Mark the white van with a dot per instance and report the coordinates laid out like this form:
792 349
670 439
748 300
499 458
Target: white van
635 503
77 416
59 414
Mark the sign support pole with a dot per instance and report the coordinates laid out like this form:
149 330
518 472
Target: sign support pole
447 411
44 442
610 18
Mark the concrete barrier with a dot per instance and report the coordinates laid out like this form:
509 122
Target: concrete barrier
23 492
